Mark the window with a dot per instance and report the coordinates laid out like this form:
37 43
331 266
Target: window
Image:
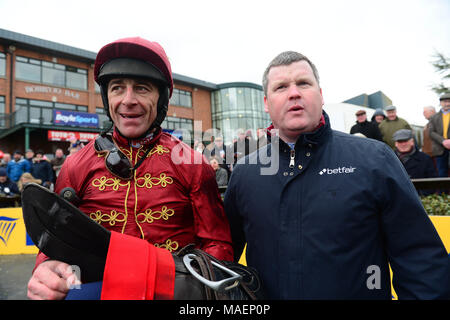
181 98
2 64
76 78
184 127
53 74
50 73
27 71
40 112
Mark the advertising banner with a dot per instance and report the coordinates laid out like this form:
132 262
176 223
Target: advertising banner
57 135
13 236
74 118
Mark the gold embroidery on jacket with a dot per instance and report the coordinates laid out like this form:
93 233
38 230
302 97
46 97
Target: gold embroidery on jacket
159 149
148 181
149 215
169 245
111 218
103 182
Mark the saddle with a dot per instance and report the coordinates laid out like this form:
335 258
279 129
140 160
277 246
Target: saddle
62 232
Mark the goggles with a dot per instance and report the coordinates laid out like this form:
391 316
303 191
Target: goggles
115 160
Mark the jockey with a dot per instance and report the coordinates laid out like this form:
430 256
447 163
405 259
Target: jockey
139 181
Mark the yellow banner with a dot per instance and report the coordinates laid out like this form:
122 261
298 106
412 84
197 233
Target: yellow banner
13 236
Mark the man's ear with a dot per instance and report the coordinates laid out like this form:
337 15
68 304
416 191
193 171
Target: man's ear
323 102
266 107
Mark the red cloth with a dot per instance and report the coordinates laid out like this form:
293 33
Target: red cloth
136 270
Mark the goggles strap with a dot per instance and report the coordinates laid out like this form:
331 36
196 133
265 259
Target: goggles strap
137 165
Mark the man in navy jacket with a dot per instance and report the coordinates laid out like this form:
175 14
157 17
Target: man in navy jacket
324 213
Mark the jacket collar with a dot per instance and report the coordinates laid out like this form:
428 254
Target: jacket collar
150 139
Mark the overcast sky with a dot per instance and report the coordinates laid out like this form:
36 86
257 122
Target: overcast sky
358 46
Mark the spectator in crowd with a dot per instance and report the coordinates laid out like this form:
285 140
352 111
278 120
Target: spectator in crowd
241 147
439 130
29 156
27 178
200 147
378 116
368 129
57 163
417 164
262 137
329 208
391 124
8 188
427 146
219 150
42 169
221 173
73 150
17 166
75 143
6 158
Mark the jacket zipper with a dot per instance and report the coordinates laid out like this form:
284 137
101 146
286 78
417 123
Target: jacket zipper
292 161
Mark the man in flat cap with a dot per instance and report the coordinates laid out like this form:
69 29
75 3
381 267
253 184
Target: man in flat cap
368 129
439 130
391 124
417 164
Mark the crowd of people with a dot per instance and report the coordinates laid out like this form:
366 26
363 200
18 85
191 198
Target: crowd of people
22 168
428 161
223 157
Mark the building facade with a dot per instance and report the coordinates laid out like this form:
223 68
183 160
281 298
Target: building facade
376 100
48 96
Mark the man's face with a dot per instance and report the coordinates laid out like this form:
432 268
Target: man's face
404 146
294 100
361 117
391 114
379 118
214 164
132 105
59 153
428 113
218 142
445 104
3 179
17 156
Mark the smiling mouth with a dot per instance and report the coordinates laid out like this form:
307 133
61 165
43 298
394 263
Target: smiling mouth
130 116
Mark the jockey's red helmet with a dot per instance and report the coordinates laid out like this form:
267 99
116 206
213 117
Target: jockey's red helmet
135 57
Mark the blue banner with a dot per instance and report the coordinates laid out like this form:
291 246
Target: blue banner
73 118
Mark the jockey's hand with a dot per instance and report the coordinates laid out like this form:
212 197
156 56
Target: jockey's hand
51 281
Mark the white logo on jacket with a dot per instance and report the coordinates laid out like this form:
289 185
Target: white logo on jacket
340 170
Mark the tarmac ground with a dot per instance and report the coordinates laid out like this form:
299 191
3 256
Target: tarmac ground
15 271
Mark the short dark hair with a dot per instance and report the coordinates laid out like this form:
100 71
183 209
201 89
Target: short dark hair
285 59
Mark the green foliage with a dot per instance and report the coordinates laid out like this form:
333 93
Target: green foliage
437 204
441 65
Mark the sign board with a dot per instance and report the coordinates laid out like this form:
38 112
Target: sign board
56 135
74 118
13 236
